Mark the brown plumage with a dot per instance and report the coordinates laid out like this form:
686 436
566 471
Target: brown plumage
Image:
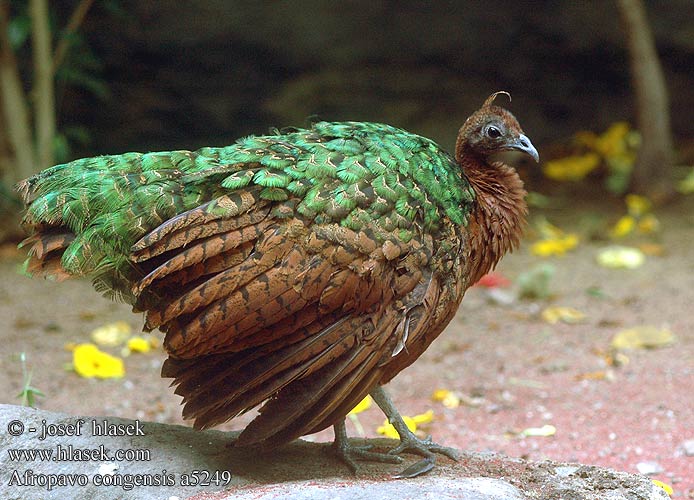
302 296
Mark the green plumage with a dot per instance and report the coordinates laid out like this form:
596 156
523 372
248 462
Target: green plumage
356 174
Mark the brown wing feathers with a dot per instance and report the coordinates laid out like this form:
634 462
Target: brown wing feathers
258 306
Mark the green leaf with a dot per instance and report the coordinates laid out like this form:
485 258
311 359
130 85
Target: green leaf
537 200
18 30
535 283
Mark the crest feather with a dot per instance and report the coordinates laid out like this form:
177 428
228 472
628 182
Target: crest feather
490 99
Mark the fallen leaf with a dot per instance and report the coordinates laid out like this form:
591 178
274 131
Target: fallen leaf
493 280
87 315
554 315
596 291
597 375
616 257
612 357
544 431
643 337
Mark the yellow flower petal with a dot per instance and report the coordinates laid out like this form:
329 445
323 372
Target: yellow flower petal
389 431
364 404
440 394
637 205
586 138
624 226
448 398
138 344
546 248
571 168
554 315
668 489
90 362
613 140
423 418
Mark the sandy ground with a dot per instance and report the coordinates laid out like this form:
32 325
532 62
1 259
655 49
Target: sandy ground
513 370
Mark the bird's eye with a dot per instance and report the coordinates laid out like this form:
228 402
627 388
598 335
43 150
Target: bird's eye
493 132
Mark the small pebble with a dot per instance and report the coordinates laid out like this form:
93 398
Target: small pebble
501 297
649 468
688 447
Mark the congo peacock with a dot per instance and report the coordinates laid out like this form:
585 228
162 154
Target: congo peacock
297 271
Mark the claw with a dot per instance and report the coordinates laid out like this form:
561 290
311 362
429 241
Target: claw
349 453
417 469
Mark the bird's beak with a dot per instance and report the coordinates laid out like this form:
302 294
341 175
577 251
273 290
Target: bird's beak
523 144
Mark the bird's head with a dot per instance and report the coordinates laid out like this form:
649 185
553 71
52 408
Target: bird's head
490 130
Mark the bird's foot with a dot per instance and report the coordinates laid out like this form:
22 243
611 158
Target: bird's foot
349 453
409 443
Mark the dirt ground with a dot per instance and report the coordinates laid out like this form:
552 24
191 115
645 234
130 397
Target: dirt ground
513 370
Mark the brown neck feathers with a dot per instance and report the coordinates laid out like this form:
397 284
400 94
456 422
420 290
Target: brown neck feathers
499 216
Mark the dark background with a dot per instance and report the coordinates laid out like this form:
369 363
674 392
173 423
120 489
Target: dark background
186 74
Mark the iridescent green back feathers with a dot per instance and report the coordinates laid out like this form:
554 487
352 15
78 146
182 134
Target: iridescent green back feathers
364 176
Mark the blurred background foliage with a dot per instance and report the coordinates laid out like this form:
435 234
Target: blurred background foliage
157 75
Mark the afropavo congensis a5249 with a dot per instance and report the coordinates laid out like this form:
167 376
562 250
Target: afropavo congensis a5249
300 270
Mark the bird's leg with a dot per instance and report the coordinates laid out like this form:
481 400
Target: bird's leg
410 442
349 453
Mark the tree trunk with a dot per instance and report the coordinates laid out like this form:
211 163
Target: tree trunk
14 107
43 92
652 173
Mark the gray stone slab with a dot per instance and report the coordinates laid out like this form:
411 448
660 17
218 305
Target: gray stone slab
158 461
